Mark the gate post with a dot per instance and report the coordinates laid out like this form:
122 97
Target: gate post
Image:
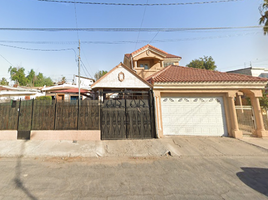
18 117
55 114
32 114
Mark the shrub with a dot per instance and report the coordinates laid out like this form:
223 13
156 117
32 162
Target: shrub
44 98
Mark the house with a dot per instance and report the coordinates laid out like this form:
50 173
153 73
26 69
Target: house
149 59
252 71
126 105
69 92
85 82
8 93
193 101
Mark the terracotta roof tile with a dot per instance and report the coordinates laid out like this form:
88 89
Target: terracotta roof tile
174 73
172 56
127 55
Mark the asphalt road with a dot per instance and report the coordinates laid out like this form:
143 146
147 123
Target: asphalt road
222 169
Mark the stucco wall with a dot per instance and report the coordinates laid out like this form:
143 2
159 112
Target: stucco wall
65 135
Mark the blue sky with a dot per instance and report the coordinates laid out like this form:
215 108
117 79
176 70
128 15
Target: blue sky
231 49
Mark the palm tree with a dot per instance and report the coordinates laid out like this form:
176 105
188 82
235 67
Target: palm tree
264 16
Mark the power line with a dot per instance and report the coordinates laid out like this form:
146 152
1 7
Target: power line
141 24
76 20
142 4
7 60
153 38
127 41
87 62
30 49
86 69
131 29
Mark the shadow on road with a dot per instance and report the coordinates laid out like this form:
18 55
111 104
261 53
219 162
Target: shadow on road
256 178
18 182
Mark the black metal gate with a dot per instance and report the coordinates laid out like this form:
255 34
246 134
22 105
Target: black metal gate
127 115
25 113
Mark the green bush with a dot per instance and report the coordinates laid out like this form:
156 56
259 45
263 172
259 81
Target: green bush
44 98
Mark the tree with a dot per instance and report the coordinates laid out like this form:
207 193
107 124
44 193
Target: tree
264 16
17 74
264 100
99 74
62 81
41 80
203 63
4 81
31 77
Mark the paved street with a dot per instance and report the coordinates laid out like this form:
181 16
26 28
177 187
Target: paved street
207 168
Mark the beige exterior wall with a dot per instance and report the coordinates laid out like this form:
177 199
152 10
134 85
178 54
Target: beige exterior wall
8 135
155 61
66 135
229 108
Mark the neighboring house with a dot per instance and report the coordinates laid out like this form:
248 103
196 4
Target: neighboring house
8 93
71 94
65 92
149 59
85 82
252 71
193 101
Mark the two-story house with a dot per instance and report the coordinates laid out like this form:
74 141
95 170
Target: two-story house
149 59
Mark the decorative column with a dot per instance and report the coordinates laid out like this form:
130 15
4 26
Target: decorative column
135 64
236 133
158 114
254 98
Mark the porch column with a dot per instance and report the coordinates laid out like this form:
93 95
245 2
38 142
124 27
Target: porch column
135 64
162 63
158 114
254 98
236 133
238 102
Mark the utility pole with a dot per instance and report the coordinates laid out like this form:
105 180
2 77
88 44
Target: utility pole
79 74
78 113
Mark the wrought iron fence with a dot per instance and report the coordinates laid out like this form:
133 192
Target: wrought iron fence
245 118
49 115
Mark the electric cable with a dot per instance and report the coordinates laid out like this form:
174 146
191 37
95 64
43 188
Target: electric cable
141 4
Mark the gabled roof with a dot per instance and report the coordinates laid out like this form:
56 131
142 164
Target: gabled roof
108 83
148 46
174 73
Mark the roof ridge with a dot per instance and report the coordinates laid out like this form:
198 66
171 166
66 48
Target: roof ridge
236 74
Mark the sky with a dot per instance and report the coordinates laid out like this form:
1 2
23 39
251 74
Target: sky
54 53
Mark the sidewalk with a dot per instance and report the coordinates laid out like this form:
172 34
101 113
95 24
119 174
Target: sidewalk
263 143
112 148
168 146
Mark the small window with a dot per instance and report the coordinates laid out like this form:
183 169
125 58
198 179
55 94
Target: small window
146 66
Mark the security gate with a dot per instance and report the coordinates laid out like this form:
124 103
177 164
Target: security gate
127 115
246 119
25 113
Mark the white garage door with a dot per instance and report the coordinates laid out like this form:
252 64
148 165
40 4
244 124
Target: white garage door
193 116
